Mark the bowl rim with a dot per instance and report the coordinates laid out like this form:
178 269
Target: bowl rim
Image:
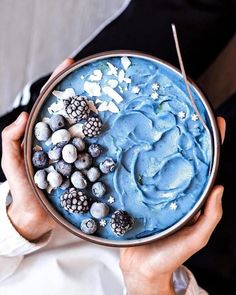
47 89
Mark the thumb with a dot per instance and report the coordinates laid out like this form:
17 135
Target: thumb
11 140
208 220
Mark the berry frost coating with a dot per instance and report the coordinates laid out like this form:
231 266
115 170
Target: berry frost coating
107 166
84 161
57 122
69 153
78 180
95 150
98 189
88 226
55 179
63 168
121 222
92 127
54 153
78 143
77 108
61 136
40 159
42 131
93 174
75 201
40 178
99 210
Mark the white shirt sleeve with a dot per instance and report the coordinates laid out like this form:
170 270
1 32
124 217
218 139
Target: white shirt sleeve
184 283
13 246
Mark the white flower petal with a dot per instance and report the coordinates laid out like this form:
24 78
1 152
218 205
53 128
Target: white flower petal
92 106
112 94
98 100
92 88
66 94
97 76
56 107
112 69
112 83
121 76
103 107
113 108
125 62
76 130
135 89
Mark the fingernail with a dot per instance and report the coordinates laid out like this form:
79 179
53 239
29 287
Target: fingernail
19 119
67 61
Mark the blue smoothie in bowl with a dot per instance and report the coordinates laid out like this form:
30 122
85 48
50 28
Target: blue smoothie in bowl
118 149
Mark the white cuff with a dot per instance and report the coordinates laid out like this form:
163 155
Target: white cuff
185 283
11 242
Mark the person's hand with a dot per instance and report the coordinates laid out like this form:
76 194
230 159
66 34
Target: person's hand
148 269
25 212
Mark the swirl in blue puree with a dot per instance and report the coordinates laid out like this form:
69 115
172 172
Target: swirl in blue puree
162 159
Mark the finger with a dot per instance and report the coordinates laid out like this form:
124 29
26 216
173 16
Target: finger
222 127
208 220
195 218
66 63
11 140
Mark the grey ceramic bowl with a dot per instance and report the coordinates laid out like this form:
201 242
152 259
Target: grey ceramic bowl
48 206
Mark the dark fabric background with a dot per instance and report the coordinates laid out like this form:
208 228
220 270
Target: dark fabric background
204 28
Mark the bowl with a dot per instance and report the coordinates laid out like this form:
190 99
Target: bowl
47 204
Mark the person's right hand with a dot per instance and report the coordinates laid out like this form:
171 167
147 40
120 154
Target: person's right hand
25 211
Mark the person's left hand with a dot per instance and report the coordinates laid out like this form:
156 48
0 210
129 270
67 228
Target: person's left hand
148 269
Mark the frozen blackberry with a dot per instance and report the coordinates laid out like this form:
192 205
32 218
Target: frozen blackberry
75 201
95 150
40 159
77 108
92 127
121 222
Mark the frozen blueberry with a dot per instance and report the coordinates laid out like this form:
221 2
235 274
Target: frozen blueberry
54 153
64 168
57 122
40 159
84 161
78 180
61 137
88 226
54 179
98 189
69 153
42 131
40 179
99 210
95 150
93 174
65 184
78 143
107 166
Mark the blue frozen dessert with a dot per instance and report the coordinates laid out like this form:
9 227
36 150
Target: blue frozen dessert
119 149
